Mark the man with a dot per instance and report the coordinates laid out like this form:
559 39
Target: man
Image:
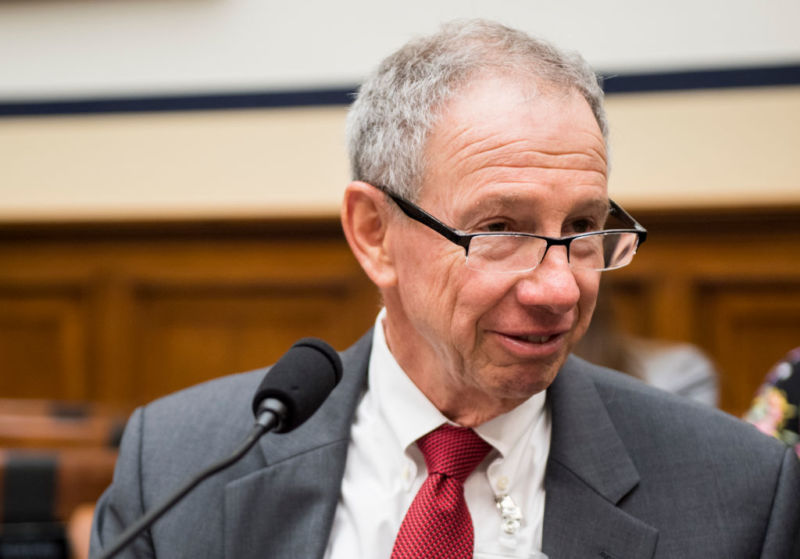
479 208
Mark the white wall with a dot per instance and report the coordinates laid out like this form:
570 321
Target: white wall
700 148
130 47
717 147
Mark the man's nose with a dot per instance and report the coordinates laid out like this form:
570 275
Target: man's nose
551 284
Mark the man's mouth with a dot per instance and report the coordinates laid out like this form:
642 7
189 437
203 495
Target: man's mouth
535 339
537 345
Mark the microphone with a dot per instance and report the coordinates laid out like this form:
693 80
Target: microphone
293 389
297 384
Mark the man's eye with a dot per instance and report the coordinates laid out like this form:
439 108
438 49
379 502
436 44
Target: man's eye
496 227
582 226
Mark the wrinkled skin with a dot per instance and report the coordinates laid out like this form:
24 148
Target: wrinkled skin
503 156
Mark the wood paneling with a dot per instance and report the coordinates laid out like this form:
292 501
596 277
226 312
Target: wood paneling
726 280
191 333
755 323
123 312
42 340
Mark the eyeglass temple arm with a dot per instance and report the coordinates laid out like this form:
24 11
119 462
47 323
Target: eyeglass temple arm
640 230
462 240
425 218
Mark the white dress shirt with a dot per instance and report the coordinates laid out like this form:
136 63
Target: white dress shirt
385 469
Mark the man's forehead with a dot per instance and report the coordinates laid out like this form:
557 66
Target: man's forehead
486 109
498 92
520 201
497 147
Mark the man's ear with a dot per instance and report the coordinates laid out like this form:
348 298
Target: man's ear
365 221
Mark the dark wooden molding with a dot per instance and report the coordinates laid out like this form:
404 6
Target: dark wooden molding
737 220
733 220
301 227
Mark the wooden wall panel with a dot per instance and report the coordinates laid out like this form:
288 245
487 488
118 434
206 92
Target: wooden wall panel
123 312
631 301
186 335
43 341
747 327
157 307
726 280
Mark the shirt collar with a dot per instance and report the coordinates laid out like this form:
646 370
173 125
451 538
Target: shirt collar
410 414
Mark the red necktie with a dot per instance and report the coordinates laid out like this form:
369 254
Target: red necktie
438 524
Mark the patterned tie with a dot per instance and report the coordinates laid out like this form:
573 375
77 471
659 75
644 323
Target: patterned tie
438 524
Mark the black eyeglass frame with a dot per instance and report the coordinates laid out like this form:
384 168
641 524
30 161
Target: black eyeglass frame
464 239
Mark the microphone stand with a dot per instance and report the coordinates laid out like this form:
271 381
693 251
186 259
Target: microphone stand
271 414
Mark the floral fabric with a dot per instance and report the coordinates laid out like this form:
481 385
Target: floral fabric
775 407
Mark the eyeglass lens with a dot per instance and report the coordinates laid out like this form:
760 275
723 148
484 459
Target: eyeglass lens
517 253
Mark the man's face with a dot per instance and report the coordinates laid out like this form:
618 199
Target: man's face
500 159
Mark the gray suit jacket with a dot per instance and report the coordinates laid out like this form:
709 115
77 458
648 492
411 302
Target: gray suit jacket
634 473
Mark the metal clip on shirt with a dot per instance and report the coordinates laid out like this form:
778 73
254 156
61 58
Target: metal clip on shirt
510 514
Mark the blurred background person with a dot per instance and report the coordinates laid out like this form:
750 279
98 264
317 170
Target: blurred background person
680 368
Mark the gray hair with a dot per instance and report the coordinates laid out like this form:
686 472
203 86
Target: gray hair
398 105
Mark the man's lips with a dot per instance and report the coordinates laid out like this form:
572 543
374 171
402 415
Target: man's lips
527 343
531 335
533 338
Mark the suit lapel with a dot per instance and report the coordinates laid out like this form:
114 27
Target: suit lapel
285 509
589 472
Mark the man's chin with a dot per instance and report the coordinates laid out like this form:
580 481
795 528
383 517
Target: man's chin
521 382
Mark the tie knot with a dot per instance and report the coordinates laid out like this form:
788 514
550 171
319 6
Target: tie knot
453 451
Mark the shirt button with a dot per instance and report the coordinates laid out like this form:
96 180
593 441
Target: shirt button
502 483
406 473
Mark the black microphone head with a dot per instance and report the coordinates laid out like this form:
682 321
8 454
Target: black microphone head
302 379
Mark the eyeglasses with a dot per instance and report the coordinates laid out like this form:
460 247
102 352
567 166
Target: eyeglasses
501 252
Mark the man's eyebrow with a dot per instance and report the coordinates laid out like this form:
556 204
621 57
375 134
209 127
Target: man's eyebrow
507 203
491 205
595 205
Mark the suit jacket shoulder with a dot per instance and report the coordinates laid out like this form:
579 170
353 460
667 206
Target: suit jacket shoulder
265 497
660 476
